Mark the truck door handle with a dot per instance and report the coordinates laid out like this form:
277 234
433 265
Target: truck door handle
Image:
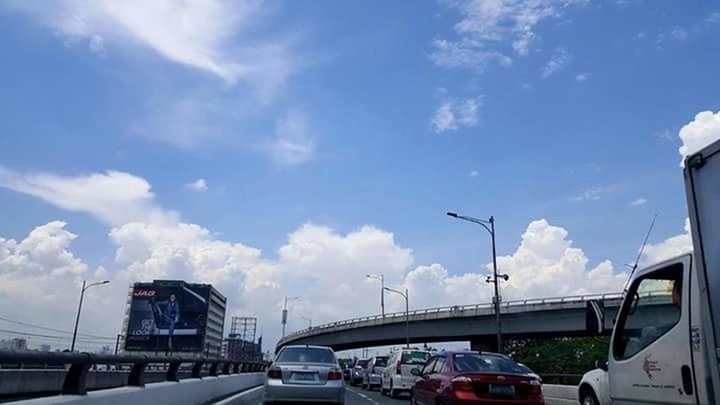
687 380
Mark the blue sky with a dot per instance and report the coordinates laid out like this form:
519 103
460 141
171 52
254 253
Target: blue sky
345 114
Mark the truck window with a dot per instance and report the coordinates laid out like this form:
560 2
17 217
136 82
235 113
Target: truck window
652 308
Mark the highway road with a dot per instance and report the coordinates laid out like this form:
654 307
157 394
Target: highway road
354 396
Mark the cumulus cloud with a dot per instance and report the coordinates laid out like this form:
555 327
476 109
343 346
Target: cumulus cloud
201 34
293 144
455 114
700 132
113 197
547 264
485 24
197 185
673 246
560 59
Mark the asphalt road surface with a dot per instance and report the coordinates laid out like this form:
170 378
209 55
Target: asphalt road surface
356 396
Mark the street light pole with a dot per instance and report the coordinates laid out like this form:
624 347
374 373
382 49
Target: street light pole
407 312
382 290
77 317
496 298
285 313
497 292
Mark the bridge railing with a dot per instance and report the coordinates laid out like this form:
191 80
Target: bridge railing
395 316
74 382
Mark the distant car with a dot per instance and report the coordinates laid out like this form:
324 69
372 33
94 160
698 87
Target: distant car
372 374
474 378
357 371
397 376
305 373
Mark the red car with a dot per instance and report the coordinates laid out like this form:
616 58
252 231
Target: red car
471 378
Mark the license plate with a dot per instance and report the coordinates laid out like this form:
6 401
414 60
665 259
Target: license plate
303 376
502 390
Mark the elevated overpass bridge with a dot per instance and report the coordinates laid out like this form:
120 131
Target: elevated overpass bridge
545 317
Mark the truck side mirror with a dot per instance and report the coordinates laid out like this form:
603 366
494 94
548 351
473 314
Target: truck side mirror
595 318
601 365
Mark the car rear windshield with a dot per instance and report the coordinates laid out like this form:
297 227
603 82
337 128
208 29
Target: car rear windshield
467 363
381 361
414 357
362 363
306 355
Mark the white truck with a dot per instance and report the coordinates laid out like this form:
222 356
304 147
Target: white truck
664 346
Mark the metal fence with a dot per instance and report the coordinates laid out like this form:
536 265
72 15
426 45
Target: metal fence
78 366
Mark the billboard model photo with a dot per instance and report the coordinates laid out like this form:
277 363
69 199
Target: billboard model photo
168 316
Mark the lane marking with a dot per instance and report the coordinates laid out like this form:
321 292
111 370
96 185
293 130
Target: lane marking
361 395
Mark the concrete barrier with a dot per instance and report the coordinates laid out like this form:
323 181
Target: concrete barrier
15 382
560 394
189 391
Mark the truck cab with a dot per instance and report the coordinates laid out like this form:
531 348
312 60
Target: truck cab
663 346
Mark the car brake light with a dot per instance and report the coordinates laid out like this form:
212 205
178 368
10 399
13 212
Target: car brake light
398 369
462 383
274 374
334 375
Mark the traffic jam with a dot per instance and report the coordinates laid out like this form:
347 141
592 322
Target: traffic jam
314 374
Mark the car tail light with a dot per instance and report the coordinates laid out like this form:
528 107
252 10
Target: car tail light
398 369
462 383
535 387
274 374
334 375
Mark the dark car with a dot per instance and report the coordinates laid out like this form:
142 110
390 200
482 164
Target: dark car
474 378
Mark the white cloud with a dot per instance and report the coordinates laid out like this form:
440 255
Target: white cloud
487 23
452 114
581 77
700 132
591 194
673 246
292 144
113 197
678 33
208 35
463 55
557 62
324 267
638 202
197 185
473 173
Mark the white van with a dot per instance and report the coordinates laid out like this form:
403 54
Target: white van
396 377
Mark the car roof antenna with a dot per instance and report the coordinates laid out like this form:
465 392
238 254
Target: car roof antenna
640 253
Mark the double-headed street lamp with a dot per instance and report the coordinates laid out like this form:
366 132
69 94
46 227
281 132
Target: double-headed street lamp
285 312
407 313
490 279
381 278
77 318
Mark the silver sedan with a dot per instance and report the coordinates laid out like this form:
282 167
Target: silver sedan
307 374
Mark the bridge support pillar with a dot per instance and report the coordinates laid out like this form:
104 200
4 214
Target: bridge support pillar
483 344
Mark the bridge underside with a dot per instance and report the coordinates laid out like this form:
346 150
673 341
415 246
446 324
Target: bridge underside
480 331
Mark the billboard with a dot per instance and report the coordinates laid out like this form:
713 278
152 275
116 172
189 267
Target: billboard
167 316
